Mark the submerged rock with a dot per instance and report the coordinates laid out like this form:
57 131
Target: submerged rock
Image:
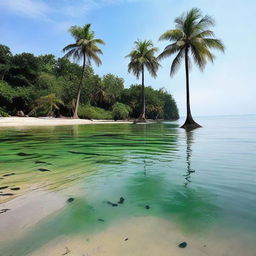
147 207
126 239
101 220
9 174
71 199
43 170
121 200
183 245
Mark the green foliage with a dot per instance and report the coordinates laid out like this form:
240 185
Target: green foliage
107 91
120 111
46 105
3 113
85 46
47 63
50 82
192 36
5 59
143 56
90 112
24 70
160 104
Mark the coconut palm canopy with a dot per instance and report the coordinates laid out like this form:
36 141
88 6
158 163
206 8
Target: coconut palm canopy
143 55
85 45
192 33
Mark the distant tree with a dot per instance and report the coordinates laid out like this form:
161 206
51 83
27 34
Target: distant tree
160 104
108 91
191 37
47 63
85 48
143 56
5 59
24 70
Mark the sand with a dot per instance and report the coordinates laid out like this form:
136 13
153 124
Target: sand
133 236
46 121
142 236
26 211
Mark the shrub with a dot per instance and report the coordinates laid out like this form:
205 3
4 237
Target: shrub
90 112
3 113
120 111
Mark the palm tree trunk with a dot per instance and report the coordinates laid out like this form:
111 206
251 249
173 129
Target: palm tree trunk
75 115
189 123
142 116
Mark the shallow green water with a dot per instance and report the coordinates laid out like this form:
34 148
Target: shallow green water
201 179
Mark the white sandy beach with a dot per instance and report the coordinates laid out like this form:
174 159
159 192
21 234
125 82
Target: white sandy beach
47 121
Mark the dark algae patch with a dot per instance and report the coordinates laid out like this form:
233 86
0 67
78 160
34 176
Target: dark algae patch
70 200
9 174
4 210
24 154
4 187
112 204
121 200
43 170
16 188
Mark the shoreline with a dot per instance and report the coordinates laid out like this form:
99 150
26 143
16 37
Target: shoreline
48 121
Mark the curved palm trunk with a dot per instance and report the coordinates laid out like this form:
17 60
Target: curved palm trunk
189 124
75 115
142 116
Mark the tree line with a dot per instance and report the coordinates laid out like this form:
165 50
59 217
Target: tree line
47 86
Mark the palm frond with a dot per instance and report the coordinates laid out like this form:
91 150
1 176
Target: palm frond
177 61
172 35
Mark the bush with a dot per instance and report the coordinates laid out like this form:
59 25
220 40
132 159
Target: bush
90 112
3 113
120 111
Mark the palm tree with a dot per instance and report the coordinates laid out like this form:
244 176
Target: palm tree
143 56
48 104
84 48
192 37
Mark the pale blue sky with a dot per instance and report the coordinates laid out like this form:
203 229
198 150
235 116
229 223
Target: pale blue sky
226 87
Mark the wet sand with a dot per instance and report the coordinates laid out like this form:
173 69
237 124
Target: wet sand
142 236
46 121
26 211
136 236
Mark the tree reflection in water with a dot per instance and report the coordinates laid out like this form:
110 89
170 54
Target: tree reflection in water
189 171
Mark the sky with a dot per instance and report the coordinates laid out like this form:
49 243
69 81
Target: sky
226 87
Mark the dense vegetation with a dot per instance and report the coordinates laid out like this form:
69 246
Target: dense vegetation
47 86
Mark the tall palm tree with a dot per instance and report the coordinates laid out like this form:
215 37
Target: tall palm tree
85 48
192 37
143 56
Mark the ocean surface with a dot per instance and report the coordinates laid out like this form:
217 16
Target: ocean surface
203 180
